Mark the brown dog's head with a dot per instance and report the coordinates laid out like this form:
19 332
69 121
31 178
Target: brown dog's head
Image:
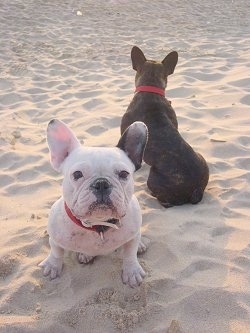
149 72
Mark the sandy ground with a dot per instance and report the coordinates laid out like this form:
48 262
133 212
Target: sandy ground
71 60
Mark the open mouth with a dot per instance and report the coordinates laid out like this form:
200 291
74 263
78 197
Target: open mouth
99 224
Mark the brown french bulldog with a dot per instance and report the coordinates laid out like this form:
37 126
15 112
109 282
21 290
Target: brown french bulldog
178 174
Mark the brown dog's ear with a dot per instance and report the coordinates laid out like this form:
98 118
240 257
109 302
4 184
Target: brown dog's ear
170 62
138 58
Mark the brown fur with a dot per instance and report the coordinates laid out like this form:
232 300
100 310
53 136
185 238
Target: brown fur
178 174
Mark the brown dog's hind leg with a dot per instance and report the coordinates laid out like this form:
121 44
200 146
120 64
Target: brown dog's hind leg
156 189
165 203
196 196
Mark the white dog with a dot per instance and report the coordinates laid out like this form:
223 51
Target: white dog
98 211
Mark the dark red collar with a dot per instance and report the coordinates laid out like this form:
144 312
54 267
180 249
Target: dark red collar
151 89
77 221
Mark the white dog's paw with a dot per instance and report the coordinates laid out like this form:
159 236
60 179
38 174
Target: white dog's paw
84 258
143 245
132 274
52 267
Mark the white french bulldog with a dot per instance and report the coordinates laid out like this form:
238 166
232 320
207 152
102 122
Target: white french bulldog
98 211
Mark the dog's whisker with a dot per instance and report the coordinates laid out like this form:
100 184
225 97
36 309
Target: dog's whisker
118 224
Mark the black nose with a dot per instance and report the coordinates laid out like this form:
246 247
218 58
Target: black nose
101 187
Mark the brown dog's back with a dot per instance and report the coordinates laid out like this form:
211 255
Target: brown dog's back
178 174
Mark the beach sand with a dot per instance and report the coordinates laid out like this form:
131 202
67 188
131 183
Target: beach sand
71 60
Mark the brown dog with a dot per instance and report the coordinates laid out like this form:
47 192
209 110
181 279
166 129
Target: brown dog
178 174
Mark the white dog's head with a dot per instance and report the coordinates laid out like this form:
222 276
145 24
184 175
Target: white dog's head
98 182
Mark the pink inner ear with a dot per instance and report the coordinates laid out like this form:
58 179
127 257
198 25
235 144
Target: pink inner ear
56 160
61 141
58 154
61 134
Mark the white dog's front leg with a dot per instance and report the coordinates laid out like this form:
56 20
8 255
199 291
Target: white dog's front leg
132 272
52 265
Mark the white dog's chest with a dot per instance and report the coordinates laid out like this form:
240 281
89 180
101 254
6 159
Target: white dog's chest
90 242
74 238
69 236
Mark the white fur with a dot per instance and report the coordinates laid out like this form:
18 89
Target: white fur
68 156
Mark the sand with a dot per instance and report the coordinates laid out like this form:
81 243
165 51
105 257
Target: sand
71 60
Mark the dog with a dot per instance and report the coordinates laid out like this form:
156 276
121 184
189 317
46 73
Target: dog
98 211
178 174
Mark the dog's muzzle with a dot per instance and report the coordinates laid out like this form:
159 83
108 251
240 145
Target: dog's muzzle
101 188
98 226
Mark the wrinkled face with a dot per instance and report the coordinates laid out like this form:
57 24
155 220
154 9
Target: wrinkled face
98 183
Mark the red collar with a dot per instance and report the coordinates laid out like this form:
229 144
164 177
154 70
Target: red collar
76 220
151 89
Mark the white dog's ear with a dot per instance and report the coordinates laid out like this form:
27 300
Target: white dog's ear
133 142
61 141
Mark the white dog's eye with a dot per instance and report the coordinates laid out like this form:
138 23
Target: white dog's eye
123 174
77 175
